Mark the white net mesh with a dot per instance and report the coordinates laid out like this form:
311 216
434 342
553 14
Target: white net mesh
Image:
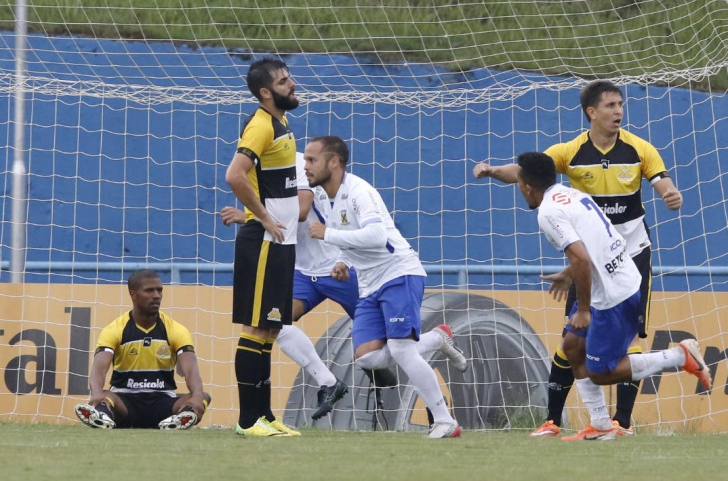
132 113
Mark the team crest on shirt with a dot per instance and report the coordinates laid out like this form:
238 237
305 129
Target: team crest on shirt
275 315
625 175
163 352
344 218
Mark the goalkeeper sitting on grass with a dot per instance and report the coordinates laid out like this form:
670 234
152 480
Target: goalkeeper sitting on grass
144 346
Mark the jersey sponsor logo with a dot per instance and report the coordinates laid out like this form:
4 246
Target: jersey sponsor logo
133 351
344 218
275 315
290 183
588 176
615 264
625 175
614 209
555 226
344 196
145 384
396 319
616 245
163 352
561 198
605 164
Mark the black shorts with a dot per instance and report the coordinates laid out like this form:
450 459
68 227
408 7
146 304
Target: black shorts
643 260
262 279
146 410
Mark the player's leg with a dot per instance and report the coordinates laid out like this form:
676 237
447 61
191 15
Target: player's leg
600 425
104 414
262 303
400 301
638 366
561 379
627 391
183 416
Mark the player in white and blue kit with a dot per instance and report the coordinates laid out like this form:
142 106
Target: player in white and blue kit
387 321
605 317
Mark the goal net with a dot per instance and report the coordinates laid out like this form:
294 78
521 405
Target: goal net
131 112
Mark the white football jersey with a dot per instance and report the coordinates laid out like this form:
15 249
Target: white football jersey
357 204
313 256
566 216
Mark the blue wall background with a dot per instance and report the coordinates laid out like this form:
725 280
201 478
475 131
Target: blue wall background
135 178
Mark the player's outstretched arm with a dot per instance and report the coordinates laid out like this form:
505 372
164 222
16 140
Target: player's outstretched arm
668 192
505 173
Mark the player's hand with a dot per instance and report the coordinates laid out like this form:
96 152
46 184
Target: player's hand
195 402
340 272
673 199
317 230
275 229
560 285
95 399
580 320
231 215
482 170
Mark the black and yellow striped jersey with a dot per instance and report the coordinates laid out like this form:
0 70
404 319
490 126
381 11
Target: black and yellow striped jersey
272 146
614 179
144 359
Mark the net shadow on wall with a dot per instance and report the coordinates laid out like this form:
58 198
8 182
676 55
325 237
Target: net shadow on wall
505 385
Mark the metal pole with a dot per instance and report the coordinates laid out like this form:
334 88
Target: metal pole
20 172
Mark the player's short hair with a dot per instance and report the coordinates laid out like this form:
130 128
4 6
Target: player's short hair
334 145
260 74
592 92
537 170
136 278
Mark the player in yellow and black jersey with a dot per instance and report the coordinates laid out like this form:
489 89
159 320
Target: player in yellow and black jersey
262 175
608 163
144 345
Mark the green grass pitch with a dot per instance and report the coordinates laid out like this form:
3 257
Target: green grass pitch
76 452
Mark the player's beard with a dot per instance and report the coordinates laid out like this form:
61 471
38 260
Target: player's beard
324 178
284 102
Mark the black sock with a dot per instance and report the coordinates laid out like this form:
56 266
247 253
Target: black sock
104 408
626 396
248 358
560 381
265 392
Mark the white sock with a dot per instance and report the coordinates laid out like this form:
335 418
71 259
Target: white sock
379 359
296 345
650 363
593 397
421 376
429 342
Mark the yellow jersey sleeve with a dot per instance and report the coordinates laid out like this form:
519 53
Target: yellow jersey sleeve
564 153
110 337
256 137
652 163
179 336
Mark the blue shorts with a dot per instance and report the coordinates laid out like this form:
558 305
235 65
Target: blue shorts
312 291
609 334
393 312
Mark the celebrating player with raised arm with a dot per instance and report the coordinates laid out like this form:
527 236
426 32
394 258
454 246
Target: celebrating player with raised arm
391 278
605 317
608 163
